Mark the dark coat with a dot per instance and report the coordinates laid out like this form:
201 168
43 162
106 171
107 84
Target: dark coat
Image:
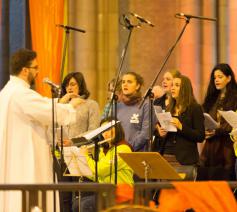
218 154
183 143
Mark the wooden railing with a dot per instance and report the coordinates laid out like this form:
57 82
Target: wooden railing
34 195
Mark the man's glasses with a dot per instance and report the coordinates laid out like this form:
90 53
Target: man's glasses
32 67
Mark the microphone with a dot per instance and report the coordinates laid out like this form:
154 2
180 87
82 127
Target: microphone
72 28
181 15
49 82
142 19
127 22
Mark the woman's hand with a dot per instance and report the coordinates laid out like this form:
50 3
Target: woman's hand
233 135
66 143
176 123
209 133
76 101
67 97
162 132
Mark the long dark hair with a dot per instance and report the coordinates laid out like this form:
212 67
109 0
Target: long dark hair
119 134
213 93
185 98
78 76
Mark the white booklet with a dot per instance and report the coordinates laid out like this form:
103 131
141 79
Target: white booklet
209 122
158 109
165 119
230 116
94 133
76 162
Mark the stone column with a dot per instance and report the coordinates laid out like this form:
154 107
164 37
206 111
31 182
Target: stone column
222 31
94 53
82 47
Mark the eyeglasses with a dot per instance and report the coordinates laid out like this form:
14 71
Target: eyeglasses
33 67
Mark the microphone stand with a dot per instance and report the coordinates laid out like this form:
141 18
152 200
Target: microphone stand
65 45
67 31
149 93
96 158
114 97
55 93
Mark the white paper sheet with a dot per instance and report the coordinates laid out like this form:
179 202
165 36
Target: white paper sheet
230 116
164 119
209 122
158 109
97 131
76 162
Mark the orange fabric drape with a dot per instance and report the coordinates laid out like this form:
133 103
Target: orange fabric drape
200 196
124 193
47 39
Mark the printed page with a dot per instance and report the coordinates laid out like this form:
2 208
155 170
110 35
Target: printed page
158 109
230 116
164 119
98 131
76 162
209 122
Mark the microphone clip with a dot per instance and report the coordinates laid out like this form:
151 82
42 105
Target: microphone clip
56 89
127 23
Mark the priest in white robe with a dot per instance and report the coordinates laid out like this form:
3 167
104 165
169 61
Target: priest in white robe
25 154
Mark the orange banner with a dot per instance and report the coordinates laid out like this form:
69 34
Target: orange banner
202 196
47 39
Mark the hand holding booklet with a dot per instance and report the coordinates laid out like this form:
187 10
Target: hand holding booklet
165 119
209 122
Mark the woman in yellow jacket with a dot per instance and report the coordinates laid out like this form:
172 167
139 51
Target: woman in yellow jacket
106 165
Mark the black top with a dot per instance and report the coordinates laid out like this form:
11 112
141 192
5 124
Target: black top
183 143
218 157
158 143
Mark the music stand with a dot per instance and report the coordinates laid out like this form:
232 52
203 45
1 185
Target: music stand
77 166
150 165
76 163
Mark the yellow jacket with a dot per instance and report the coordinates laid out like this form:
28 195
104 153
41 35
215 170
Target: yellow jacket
106 166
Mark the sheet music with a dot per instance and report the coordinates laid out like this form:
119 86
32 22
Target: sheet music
230 116
165 119
98 131
76 162
209 122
